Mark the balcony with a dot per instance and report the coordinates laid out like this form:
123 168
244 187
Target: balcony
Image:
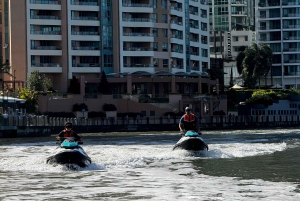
270 39
138 51
137 5
291 49
94 33
46 32
294 26
42 4
84 48
56 2
86 65
47 67
86 18
139 37
292 38
45 17
139 22
140 65
85 3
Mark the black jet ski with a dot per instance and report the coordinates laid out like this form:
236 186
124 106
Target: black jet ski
69 152
191 140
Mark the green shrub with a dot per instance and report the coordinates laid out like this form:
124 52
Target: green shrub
109 107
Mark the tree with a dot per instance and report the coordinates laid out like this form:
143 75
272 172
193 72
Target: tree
31 98
231 78
239 59
103 86
256 64
38 81
74 86
5 68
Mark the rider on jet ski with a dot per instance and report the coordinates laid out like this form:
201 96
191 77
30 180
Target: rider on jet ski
189 121
68 132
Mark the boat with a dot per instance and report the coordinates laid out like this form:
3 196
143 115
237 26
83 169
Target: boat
69 152
192 141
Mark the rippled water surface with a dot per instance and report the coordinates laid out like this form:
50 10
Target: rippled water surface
240 165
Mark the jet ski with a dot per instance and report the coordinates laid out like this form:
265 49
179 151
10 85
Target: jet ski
191 140
69 152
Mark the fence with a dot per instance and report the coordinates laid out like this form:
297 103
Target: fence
29 125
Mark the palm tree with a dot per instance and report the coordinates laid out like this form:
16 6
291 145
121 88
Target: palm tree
239 59
256 64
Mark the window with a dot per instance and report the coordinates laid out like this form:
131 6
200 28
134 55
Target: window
246 38
164 18
155 46
165 63
154 17
165 32
236 38
164 4
154 31
164 47
152 113
143 113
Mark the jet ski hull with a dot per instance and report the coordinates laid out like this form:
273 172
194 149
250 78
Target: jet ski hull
70 156
191 143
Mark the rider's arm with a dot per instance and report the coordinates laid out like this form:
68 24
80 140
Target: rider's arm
181 126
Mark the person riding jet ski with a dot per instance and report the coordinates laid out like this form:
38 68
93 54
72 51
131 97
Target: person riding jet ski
189 122
68 132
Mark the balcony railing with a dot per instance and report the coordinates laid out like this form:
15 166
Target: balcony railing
137 5
292 61
86 65
140 65
139 20
46 32
45 17
176 50
194 53
269 27
175 8
291 73
270 39
45 2
84 48
196 68
292 38
176 66
293 26
194 26
291 15
291 49
46 48
46 65
86 18
138 49
85 33
85 3
138 34
194 40
176 22
176 36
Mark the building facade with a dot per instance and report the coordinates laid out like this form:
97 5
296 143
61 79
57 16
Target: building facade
231 26
125 39
277 25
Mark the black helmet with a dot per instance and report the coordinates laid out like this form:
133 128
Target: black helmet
69 125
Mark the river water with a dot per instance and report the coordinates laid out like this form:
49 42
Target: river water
240 165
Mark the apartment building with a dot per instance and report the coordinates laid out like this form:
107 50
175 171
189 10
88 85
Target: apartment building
231 26
277 25
165 42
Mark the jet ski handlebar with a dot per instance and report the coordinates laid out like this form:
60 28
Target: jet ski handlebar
59 140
